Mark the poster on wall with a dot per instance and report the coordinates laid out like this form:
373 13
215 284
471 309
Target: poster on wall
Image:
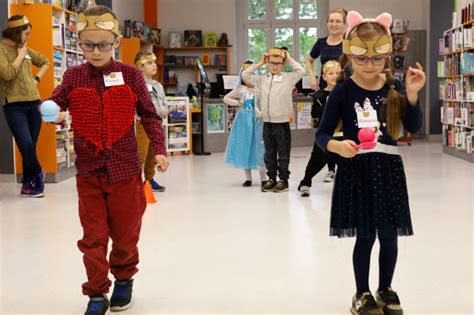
304 119
215 118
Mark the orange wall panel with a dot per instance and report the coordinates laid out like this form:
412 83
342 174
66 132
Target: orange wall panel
150 12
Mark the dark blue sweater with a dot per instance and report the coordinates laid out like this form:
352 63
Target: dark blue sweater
340 104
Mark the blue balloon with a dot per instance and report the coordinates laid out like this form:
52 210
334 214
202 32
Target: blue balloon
49 111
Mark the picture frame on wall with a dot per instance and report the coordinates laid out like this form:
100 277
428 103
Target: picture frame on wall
193 38
175 40
156 36
147 32
137 29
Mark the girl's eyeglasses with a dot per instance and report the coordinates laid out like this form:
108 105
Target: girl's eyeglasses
377 60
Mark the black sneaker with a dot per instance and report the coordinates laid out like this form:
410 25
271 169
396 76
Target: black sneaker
389 302
122 296
281 186
247 183
268 186
365 304
98 305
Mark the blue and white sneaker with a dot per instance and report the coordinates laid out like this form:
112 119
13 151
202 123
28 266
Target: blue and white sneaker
122 296
98 305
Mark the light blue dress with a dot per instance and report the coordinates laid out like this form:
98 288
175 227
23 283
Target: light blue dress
245 147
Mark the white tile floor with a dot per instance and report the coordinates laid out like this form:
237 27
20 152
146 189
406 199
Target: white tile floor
212 246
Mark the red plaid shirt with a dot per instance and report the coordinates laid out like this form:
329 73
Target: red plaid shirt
120 161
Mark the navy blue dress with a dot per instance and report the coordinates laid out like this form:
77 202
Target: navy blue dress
370 193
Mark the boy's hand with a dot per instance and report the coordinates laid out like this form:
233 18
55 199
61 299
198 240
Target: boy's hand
162 162
61 118
344 148
263 59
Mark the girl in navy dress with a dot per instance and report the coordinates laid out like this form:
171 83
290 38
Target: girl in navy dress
245 147
370 196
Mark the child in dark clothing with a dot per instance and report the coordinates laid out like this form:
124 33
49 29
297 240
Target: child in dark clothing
370 198
318 157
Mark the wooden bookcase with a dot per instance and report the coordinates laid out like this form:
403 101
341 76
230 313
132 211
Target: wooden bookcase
179 64
55 146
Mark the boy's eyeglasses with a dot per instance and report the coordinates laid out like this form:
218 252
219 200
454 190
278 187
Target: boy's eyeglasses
275 64
101 46
377 60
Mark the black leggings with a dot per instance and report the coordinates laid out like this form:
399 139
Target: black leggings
387 261
316 163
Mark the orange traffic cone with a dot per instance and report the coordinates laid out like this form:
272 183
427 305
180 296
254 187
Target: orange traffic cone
149 195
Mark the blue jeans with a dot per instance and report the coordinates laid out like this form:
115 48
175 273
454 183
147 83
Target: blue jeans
24 120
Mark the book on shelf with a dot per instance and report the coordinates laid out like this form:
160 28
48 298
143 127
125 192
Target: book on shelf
400 26
58 35
178 136
467 62
210 39
400 44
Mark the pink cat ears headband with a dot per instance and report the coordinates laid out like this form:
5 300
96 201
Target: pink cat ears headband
357 46
354 19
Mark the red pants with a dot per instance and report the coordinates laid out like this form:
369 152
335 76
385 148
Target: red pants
115 211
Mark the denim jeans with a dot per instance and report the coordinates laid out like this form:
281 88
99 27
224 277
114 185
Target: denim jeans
24 120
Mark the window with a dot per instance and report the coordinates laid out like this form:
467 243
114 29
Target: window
295 24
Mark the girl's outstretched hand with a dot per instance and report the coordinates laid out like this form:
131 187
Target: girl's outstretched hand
345 148
415 79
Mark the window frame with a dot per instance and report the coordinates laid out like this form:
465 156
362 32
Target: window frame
271 23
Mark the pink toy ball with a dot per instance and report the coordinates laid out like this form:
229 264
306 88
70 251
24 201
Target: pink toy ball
366 135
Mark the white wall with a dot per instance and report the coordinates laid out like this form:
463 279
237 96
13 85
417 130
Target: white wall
128 10
413 10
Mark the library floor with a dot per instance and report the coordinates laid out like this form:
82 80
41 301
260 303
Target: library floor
210 246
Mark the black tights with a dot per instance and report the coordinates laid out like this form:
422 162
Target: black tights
387 261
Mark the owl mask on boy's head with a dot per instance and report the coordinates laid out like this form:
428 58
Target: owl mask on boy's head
105 22
357 46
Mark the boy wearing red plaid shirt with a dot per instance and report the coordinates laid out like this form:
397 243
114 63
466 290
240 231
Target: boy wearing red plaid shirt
102 97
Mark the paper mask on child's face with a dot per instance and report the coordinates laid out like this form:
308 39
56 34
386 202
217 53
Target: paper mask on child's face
356 46
104 22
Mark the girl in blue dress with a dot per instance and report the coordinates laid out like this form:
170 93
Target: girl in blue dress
245 147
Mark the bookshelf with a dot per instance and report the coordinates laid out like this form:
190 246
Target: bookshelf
456 89
180 65
53 35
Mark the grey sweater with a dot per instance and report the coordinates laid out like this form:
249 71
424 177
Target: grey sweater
275 90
